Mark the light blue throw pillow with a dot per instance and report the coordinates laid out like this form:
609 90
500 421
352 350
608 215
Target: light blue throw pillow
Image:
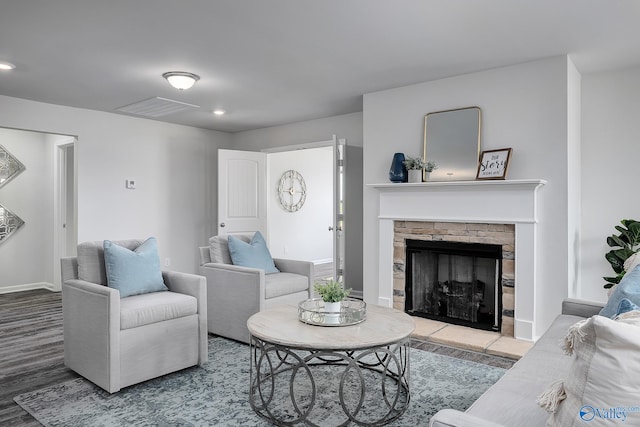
133 272
626 306
629 288
254 254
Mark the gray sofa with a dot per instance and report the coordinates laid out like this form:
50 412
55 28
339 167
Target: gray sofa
512 400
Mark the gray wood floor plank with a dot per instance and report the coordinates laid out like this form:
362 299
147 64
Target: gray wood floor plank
31 350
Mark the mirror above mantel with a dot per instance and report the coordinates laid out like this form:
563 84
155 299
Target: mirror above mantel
452 140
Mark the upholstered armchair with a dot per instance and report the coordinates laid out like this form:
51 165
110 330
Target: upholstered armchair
235 292
115 342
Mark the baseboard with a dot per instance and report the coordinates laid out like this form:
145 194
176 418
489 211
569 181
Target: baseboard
356 294
29 287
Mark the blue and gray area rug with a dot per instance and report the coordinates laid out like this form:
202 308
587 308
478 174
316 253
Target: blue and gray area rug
217 394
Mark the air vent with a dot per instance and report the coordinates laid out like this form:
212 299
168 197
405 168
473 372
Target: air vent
156 107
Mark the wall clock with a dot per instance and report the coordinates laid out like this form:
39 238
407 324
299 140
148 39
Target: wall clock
292 191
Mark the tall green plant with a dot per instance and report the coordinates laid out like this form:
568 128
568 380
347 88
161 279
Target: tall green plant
625 244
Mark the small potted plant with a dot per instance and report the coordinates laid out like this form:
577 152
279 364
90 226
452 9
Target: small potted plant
332 293
415 166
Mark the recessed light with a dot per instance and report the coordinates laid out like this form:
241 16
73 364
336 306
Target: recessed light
6 66
219 112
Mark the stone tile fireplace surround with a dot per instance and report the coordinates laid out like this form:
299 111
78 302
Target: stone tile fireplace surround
498 234
471 211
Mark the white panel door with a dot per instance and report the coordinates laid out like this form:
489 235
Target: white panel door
242 203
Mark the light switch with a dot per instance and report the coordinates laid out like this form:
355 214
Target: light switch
130 184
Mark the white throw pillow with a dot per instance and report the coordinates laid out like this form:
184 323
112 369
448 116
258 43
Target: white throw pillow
604 379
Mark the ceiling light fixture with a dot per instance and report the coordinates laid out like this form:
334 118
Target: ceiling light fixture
6 66
219 112
181 79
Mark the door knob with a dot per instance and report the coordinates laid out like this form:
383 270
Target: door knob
222 224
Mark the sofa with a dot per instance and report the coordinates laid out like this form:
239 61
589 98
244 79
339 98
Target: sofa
511 401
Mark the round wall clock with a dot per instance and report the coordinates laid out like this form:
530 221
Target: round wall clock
292 191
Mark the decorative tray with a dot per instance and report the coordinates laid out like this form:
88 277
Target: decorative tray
313 311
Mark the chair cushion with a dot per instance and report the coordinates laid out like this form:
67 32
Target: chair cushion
91 259
140 310
279 284
133 272
254 254
219 248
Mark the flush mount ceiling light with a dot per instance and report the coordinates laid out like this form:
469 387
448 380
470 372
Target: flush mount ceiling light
219 112
6 66
181 79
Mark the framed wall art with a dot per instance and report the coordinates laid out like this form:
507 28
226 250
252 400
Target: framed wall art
10 167
9 223
494 164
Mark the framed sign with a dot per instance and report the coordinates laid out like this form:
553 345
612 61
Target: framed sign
494 164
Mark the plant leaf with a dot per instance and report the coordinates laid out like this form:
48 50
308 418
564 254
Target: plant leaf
614 240
614 260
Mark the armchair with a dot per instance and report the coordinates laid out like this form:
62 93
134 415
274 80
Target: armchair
235 293
116 342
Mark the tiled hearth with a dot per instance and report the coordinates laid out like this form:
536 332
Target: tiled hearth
497 234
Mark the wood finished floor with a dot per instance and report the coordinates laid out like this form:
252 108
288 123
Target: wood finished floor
32 352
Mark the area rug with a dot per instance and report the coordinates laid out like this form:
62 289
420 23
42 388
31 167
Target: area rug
217 394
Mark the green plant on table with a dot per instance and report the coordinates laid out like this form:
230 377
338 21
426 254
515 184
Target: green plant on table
331 291
625 244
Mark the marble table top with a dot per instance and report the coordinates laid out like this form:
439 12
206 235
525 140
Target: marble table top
281 326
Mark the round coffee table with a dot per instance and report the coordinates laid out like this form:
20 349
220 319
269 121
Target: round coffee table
319 376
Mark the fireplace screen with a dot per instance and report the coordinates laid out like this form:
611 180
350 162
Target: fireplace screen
454 282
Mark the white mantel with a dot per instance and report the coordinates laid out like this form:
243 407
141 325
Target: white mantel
500 202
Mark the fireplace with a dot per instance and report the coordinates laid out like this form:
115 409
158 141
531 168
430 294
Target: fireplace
454 282
501 212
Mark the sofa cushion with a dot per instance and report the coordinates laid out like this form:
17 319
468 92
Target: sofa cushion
133 272
600 384
520 386
629 287
91 259
284 284
140 310
254 254
219 248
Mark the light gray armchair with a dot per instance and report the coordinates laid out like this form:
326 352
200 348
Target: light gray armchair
235 293
116 342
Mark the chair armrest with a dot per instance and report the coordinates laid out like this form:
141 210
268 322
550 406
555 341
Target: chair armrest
196 286
91 322
304 268
69 268
454 418
234 294
580 307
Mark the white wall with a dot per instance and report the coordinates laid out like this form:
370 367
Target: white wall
303 234
610 153
174 167
347 126
26 257
524 107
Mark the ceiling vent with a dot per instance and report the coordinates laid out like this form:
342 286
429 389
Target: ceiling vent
156 107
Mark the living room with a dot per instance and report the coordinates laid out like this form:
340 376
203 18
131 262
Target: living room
570 122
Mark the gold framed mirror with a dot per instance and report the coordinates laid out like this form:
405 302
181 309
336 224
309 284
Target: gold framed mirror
452 140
